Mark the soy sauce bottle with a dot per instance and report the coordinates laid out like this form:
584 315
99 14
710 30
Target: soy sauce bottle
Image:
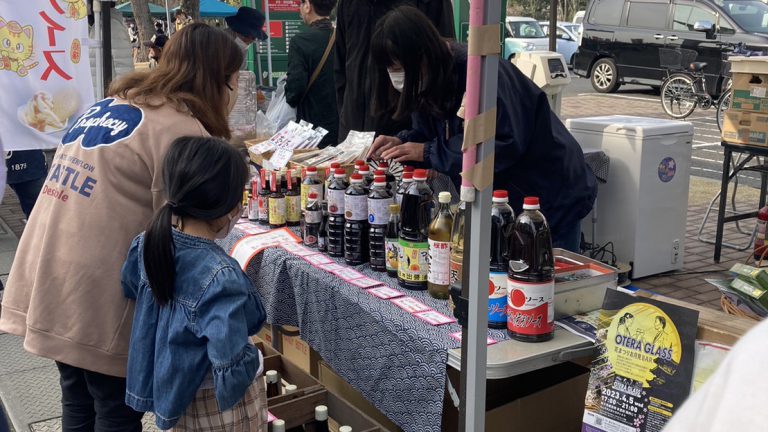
311 183
393 240
313 220
531 281
292 200
381 172
336 190
329 174
365 171
405 182
277 207
356 222
502 222
379 201
391 180
322 234
263 200
415 217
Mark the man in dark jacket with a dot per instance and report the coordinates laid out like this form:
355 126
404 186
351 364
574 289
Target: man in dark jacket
355 22
315 101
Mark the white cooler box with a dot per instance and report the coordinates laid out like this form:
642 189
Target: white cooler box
643 206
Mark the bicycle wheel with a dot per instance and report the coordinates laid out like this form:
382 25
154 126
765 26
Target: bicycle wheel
723 105
678 97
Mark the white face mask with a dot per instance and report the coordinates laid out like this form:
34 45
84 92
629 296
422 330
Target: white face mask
398 79
230 226
243 46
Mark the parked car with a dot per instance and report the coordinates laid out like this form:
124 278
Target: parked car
624 40
578 17
567 41
514 46
525 31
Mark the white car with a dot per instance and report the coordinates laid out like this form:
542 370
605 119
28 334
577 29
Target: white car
528 32
567 41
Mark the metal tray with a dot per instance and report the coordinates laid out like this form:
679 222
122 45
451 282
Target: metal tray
585 284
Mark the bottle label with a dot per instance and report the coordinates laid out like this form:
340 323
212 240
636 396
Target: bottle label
356 207
393 253
263 207
309 239
336 201
413 264
277 211
454 276
530 307
306 189
378 211
497 297
293 209
253 207
313 216
439 262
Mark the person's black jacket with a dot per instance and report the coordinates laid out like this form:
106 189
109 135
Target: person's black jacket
318 104
535 153
356 20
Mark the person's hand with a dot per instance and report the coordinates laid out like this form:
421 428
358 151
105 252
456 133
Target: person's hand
408 152
381 144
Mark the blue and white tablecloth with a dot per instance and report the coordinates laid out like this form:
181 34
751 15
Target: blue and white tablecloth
397 361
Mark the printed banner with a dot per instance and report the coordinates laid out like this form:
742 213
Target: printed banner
45 72
644 368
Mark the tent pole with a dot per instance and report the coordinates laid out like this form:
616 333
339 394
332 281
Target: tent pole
269 44
553 26
99 66
106 44
168 17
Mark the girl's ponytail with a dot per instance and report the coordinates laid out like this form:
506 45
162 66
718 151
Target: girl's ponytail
159 254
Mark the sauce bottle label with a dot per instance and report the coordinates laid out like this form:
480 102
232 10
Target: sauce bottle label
306 189
497 297
277 211
253 207
263 208
439 262
293 210
454 277
531 308
413 264
313 216
356 207
336 201
378 211
393 253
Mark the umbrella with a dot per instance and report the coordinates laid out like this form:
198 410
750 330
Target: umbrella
214 9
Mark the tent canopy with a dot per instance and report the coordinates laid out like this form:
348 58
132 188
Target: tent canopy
214 9
127 11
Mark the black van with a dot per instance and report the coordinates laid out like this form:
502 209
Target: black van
623 40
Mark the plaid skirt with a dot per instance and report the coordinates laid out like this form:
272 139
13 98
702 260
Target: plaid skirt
248 415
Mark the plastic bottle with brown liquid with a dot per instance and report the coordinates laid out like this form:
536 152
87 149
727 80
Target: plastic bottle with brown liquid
415 217
292 200
311 183
438 280
277 209
335 194
379 201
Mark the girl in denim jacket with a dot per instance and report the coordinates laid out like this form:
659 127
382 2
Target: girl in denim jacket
190 361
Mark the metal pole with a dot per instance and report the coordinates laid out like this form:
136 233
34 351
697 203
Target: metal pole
106 44
167 17
482 85
553 25
269 44
99 66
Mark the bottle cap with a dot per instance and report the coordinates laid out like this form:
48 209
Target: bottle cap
380 180
321 413
379 172
364 169
312 169
444 197
272 376
531 203
420 174
345 429
407 169
500 196
312 195
383 164
290 388
335 165
357 178
340 172
394 208
407 176
359 163
278 425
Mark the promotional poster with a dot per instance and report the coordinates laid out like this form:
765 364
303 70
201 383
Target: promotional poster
44 71
644 368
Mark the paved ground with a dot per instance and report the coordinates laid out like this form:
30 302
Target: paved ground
29 387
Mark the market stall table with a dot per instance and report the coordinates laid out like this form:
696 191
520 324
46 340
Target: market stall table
397 361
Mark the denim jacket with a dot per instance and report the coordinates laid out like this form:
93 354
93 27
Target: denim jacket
204 329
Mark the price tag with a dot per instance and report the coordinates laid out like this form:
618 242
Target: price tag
331 267
365 282
318 259
410 305
298 249
270 417
756 91
457 336
385 292
280 158
434 317
348 274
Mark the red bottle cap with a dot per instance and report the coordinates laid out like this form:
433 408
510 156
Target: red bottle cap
359 163
313 195
364 169
340 172
531 203
408 176
379 172
335 165
407 169
356 178
312 169
420 174
500 196
380 180
383 164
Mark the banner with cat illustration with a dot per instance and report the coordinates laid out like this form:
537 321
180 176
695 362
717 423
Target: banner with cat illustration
45 75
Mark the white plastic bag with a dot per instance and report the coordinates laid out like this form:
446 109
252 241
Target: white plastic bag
279 112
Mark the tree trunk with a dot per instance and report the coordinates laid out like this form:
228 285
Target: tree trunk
144 25
192 8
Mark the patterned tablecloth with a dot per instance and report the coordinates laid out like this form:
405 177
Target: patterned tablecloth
397 361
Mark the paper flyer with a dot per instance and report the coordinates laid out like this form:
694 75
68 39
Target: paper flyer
644 367
584 325
248 247
457 336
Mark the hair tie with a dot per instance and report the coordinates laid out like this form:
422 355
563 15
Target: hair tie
171 204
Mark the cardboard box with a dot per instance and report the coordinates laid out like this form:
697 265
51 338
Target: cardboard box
748 128
750 92
299 352
301 410
290 374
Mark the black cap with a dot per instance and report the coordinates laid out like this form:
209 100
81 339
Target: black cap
247 22
158 41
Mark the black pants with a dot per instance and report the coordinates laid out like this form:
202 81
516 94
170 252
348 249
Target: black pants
94 402
27 192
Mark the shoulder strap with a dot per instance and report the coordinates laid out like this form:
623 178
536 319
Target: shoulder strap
319 67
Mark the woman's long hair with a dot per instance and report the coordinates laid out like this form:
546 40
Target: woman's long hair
406 37
196 67
204 179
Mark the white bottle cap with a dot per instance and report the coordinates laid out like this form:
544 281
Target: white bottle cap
271 376
444 197
345 429
321 413
290 388
278 425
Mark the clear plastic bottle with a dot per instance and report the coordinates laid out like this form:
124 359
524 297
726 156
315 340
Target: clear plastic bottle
356 222
379 201
502 222
313 219
440 249
335 194
405 182
531 282
311 183
365 171
330 173
415 217
393 240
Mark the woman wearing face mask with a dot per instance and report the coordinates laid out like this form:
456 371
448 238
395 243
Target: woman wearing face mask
63 293
179 366
246 28
310 86
535 154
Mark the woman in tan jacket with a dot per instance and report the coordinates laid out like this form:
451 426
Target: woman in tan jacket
63 294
